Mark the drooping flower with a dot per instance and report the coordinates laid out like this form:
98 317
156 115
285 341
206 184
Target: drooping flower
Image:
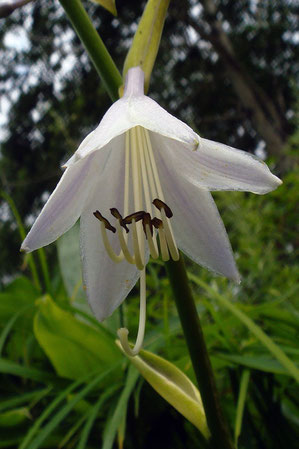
140 174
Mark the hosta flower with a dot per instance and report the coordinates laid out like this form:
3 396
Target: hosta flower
140 183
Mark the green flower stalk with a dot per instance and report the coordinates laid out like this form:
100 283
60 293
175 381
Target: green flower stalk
94 45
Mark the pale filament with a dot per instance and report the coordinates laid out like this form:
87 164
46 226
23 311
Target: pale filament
123 243
163 245
116 258
169 237
146 184
152 244
168 228
137 250
137 189
141 179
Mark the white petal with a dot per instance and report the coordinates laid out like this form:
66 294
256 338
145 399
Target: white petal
132 111
215 166
197 225
64 206
107 283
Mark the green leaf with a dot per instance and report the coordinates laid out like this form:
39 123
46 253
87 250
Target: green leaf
262 363
58 399
145 46
174 386
28 443
93 415
73 347
107 4
241 403
23 398
116 421
276 351
17 296
9 325
12 418
8 367
22 287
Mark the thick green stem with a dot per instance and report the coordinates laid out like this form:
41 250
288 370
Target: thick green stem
94 45
220 437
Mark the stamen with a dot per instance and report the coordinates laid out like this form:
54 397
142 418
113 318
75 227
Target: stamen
161 205
148 182
116 258
153 165
137 253
123 332
123 244
137 216
166 213
149 170
158 224
119 217
143 170
163 245
169 237
146 220
127 175
104 220
151 243
137 189
148 229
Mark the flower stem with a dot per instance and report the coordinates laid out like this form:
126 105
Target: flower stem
94 45
220 437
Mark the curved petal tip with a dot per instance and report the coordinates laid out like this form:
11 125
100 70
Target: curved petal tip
24 248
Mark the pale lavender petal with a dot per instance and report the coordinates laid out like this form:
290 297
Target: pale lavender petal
135 109
64 206
215 166
197 225
107 283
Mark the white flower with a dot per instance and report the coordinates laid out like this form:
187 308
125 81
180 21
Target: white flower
140 154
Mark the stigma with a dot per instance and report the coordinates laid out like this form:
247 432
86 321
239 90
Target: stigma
144 227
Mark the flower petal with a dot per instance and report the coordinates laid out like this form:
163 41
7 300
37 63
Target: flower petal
216 166
107 283
197 225
135 109
64 206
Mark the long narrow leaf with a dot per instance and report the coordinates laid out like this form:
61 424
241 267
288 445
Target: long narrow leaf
256 330
8 367
64 411
51 407
93 415
121 409
241 403
21 399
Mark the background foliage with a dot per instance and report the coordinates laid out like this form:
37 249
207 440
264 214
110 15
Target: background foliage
230 72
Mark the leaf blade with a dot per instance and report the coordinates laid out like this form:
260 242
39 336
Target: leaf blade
174 386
